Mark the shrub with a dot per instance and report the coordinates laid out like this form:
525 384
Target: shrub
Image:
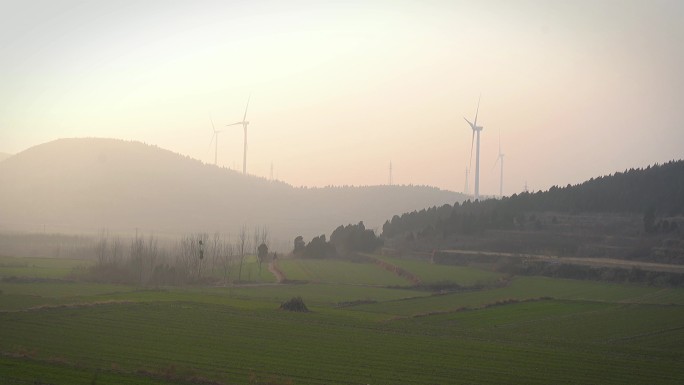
294 304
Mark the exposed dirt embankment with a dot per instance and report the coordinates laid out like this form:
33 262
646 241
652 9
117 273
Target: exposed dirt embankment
275 270
398 271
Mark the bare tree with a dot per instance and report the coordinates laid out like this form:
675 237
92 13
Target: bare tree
264 236
189 250
137 251
214 250
101 248
263 245
241 246
117 250
226 255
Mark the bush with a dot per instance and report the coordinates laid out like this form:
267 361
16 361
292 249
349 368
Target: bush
294 304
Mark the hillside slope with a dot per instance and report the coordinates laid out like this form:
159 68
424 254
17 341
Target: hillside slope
636 214
90 184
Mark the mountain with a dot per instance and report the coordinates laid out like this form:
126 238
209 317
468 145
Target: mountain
4 155
88 184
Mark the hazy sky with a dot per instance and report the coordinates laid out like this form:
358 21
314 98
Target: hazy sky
339 88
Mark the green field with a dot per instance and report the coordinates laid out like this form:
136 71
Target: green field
532 331
430 273
39 267
331 271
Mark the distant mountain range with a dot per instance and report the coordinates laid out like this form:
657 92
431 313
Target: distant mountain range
4 155
74 185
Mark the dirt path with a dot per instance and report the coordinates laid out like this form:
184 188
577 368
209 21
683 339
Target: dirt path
275 270
396 270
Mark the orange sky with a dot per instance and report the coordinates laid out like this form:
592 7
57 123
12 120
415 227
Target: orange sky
340 89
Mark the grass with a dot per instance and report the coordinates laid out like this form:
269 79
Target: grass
53 268
227 344
583 332
251 271
335 271
443 274
522 288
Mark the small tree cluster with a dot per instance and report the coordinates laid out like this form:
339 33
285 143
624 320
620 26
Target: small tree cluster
355 238
319 248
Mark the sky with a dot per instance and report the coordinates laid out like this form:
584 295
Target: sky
569 90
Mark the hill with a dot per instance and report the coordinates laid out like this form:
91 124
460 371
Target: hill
72 185
636 214
4 155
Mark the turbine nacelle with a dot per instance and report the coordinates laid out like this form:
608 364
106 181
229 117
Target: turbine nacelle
472 125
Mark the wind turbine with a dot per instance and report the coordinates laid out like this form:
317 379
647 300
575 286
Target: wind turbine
244 124
477 129
214 138
501 157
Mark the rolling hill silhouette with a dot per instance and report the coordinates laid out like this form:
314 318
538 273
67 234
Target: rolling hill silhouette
85 185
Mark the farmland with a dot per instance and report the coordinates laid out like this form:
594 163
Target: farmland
366 326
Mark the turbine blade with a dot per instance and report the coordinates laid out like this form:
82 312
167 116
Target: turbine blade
471 125
234 124
212 123
496 162
244 118
478 109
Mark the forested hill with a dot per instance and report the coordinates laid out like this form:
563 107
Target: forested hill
657 190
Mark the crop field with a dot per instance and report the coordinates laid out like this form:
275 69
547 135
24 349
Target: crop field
524 288
251 271
444 274
39 267
531 331
331 271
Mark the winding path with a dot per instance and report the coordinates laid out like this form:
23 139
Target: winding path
275 270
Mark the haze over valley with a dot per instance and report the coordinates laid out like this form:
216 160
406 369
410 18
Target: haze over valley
361 192
89 185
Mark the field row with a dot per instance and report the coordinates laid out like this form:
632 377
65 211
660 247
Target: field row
229 344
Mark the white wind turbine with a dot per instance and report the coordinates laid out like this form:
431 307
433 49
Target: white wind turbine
244 123
214 138
476 129
500 157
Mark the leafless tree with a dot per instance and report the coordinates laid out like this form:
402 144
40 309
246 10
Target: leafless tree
116 250
188 258
242 245
101 248
261 242
214 250
226 255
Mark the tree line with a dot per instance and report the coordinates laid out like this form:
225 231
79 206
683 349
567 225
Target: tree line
655 191
344 241
193 258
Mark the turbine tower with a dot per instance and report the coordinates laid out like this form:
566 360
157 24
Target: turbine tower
214 139
500 157
466 188
476 129
244 123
